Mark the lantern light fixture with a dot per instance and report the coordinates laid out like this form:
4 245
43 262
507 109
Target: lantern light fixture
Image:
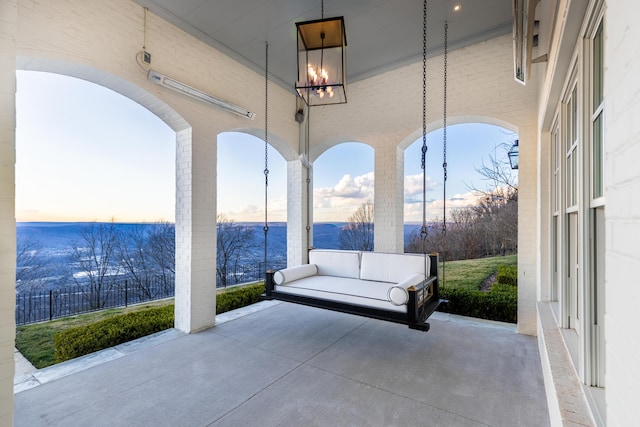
513 155
321 61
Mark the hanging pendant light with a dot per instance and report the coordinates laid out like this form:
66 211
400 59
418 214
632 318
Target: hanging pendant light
321 61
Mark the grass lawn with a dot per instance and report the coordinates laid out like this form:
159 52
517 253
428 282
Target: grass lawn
469 274
35 342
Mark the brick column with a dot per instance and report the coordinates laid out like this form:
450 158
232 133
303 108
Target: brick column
528 223
8 29
195 302
389 199
298 240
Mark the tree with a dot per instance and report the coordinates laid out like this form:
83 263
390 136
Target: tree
147 255
134 258
498 220
94 255
162 249
31 266
357 234
463 237
497 173
433 241
497 207
233 240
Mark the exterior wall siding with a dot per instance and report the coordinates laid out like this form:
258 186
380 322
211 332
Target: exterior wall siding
8 23
481 89
98 41
622 212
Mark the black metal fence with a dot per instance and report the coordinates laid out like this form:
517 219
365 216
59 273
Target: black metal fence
237 273
43 305
39 306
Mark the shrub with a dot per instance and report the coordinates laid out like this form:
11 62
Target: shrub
238 297
78 341
81 340
507 275
500 303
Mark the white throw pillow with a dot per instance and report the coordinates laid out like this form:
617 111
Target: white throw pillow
294 273
398 295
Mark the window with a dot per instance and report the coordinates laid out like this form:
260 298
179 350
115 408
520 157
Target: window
556 145
571 147
597 157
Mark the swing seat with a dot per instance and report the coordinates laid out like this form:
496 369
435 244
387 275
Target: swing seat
384 286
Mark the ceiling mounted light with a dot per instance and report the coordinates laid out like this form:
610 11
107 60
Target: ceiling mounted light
513 155
192 92
321 61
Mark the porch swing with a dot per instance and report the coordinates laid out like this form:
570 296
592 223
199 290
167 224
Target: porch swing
399 288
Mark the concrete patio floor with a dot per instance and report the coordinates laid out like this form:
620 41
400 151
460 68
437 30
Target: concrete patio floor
289 365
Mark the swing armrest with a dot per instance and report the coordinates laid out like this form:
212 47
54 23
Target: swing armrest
423 291
399 294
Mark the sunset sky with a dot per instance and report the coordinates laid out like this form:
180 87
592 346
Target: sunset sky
86 153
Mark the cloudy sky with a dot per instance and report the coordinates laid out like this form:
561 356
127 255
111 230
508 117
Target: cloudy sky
85 153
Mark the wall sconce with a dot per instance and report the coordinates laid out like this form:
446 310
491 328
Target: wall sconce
513 155
321 61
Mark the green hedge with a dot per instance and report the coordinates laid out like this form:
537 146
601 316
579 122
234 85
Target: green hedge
238 297
507 275
81 340
500 303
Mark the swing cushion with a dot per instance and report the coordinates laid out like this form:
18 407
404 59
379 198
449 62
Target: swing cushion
381 283
392 268
336 263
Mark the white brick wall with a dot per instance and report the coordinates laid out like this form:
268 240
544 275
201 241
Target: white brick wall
97 41
297 209
8 19
622 212
389 199
480 89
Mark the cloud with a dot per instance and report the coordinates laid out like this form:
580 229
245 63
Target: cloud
434 208
337 203
413 188
347 192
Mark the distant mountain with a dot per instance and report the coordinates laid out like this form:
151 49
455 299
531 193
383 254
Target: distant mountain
56 236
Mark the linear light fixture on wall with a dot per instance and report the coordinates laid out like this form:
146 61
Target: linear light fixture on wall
192 92
523 28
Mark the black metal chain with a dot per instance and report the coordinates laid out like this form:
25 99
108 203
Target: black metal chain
266 149
444 145
423 230
444 151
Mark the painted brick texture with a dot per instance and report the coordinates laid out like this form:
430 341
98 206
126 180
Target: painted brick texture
8 21
385 112
98 41
622 214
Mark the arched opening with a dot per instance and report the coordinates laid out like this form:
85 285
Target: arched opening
481 192
95 198
241 209
343 196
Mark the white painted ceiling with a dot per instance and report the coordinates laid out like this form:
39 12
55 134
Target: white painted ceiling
381 34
